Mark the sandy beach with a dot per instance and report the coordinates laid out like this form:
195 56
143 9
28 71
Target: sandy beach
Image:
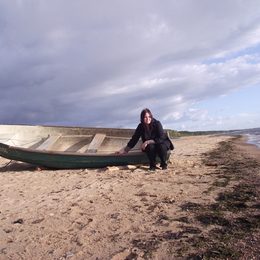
114 213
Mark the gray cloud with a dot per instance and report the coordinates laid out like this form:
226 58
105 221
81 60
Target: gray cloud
97 64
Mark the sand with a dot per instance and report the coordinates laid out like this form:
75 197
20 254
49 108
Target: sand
101 213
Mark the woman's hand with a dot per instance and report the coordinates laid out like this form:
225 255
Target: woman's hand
146 143
144 146
120 152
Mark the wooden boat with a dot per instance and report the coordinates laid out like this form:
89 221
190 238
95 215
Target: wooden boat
68 147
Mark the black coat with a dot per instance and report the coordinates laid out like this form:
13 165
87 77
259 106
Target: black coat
157 134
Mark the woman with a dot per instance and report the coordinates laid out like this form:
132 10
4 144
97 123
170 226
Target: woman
155 140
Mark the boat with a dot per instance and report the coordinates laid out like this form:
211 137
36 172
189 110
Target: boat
64 147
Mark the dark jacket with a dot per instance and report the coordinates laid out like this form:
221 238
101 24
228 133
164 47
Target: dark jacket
157 134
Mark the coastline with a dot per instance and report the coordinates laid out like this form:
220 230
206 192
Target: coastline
250 149
114 215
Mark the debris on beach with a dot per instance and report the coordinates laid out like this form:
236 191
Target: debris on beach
18 221
212 164
124 167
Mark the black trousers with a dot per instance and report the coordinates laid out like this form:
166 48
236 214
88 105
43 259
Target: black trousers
153 149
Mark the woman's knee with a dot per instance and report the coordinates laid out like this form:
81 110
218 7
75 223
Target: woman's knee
150 147
162 147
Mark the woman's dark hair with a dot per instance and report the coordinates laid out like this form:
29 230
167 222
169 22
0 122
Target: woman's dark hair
146 110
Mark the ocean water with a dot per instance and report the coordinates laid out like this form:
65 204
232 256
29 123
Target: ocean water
253 135
254 139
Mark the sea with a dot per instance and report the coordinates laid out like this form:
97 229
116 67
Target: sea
253 135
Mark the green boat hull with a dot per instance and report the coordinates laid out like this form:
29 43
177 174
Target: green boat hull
70 161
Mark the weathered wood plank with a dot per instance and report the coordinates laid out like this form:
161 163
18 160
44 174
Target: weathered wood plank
48 142
95 143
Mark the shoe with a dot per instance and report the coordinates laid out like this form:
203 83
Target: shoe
164 167
152 169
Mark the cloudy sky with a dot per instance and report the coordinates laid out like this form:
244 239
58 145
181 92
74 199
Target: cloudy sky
194 64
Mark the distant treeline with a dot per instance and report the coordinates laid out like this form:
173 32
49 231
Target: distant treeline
174 133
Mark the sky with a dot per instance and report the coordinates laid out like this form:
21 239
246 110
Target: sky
194 63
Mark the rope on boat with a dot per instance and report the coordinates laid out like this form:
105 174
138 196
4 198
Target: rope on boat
21 140
7 164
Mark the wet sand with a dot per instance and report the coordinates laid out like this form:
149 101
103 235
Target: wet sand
101 213
251 150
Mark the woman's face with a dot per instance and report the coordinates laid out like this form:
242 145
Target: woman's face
147 119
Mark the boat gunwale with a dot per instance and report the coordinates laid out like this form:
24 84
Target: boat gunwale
69 153
69 127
